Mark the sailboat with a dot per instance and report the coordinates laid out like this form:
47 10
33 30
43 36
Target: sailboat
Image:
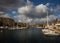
49 30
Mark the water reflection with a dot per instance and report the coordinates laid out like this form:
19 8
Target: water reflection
31 35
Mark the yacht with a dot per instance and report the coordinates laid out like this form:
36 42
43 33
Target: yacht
50 33
51 30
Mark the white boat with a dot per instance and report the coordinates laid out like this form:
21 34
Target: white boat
49 30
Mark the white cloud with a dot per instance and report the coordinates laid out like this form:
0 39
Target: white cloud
14 12
1 12
24 10
47 4
51 18
22 18
5 15
41 8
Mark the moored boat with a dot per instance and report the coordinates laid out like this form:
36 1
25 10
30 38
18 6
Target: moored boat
51 30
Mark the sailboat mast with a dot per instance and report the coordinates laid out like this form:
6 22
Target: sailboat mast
47 19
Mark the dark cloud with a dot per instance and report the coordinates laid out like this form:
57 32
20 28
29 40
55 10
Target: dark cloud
9 4
35 11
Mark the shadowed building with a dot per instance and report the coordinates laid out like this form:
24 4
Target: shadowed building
20 24
6 22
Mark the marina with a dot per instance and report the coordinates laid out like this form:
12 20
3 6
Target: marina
29 21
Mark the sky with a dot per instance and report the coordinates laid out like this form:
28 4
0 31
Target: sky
55 2
32 11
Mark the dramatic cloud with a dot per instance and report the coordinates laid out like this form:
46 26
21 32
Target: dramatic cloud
27 12
35 11
35 14
9 4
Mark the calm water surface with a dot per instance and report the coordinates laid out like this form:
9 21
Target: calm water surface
31 35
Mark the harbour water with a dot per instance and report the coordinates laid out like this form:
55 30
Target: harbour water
31 35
